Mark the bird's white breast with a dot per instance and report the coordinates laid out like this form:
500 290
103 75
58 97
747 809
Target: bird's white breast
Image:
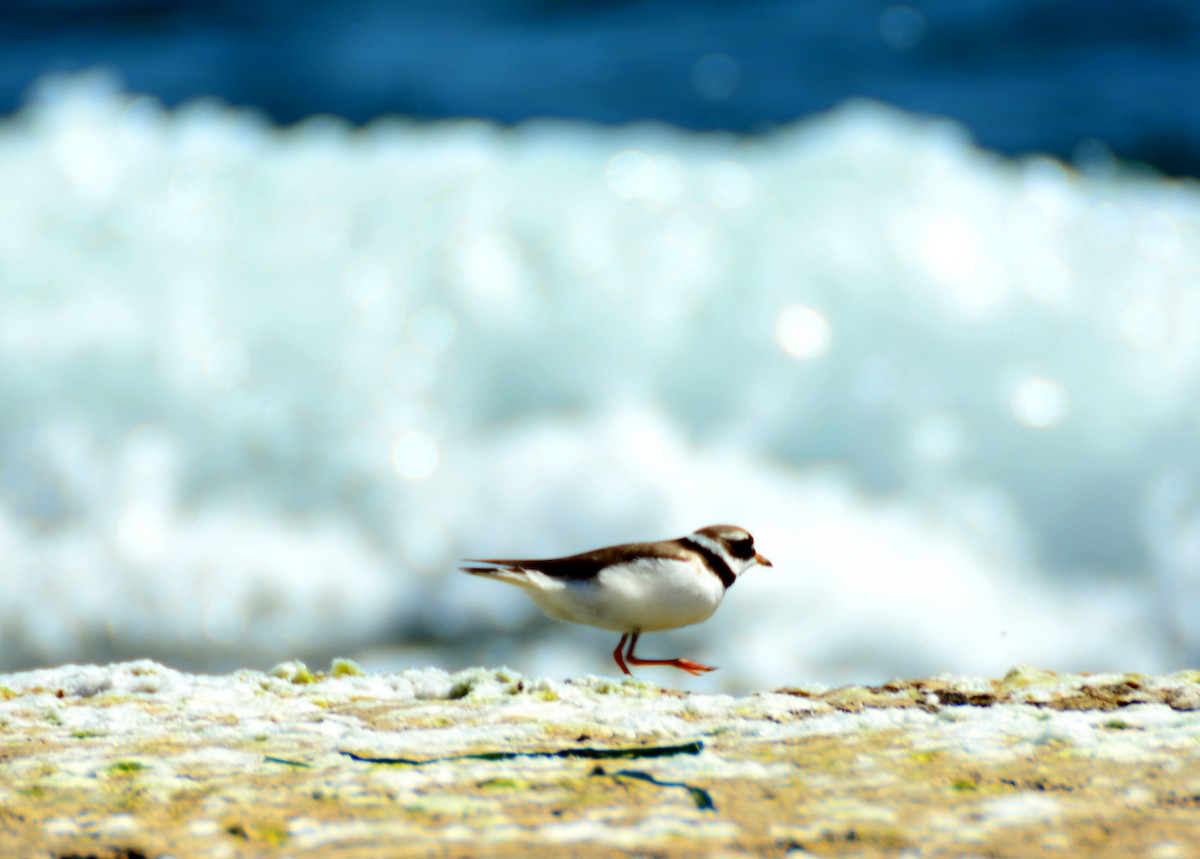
646 594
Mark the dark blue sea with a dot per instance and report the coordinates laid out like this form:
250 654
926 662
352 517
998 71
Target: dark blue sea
1071 78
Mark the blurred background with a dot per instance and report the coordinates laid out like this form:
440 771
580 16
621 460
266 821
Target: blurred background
299 304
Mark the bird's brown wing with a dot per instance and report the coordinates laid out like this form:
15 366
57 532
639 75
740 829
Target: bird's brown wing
585 565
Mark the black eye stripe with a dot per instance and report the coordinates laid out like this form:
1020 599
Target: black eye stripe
742 549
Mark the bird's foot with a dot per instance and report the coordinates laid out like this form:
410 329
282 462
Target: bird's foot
682 664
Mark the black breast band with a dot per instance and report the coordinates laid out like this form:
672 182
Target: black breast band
715 561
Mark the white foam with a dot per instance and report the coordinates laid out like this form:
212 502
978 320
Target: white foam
263 387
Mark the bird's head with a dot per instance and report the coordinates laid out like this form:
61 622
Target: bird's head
732 543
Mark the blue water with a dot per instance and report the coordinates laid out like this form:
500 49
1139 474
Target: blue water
1023 75
264 378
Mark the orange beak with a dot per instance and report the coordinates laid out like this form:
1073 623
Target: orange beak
761 561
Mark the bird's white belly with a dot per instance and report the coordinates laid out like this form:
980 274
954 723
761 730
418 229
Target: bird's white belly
649 595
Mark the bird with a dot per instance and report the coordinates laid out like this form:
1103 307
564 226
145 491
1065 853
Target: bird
634 588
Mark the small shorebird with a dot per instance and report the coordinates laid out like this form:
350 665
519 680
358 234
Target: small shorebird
635 587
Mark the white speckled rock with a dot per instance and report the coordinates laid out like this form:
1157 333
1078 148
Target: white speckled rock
143 759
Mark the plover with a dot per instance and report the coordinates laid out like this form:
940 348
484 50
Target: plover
635 587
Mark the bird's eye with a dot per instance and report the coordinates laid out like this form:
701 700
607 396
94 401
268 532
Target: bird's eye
743 549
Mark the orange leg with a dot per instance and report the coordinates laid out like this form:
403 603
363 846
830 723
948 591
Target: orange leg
683 664
617 655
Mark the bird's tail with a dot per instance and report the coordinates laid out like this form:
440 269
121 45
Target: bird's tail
505 571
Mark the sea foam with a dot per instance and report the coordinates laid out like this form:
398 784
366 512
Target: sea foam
260 387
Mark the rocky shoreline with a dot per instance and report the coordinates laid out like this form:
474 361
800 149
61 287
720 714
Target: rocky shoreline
139 760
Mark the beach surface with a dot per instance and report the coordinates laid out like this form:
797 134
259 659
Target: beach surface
139 760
